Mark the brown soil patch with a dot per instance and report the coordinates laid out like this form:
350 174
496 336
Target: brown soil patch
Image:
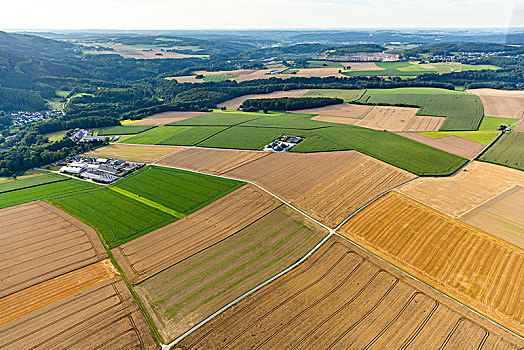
471 266
361 66
290 175
39 242
103 316
451 144
134 153
160 249
376 117
334 199
211 161
502 216
427 66
186 79
188 292
343 298
168 117
458 194
33 298
501 103
236 102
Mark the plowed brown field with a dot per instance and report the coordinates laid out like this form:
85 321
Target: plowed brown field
501 103
134 153
236 102
343 298
473 267
502 216
39 242
334 199
211 161
451 144
376 117
186 293
471 187
168 117
160 249
103 316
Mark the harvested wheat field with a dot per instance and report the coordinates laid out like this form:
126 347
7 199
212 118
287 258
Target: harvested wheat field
211 161
151 253
452 144
473 267
317 72
289 175
343 298
502 216
186 293
376 117
501 103
38 242
134 153
165 118
102 315
363 178
472 186
236 102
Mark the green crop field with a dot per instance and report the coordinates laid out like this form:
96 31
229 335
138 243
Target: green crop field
287 121
484 137
122 130
346 95
218 119
508 150
240 137
463 111
289 71
404 153
323 64
193 135
179 190
118 218
30 194
219 77
492 123
31 182
406 69
156 135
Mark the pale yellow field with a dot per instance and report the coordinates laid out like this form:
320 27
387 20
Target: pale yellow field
134 153
501 103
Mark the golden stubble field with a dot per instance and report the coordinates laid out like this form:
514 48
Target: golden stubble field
340 298
134 153
39 242
470 265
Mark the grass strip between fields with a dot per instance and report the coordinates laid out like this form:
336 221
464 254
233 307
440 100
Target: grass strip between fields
148 202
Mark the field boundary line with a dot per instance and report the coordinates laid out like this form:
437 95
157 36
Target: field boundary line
169 155
248 293
147 202
496 198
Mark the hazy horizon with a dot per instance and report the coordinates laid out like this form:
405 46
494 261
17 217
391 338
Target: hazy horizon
256 15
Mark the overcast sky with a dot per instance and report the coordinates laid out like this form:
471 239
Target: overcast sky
245 14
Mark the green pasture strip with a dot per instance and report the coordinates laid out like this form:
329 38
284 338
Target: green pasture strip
492 123
148 202
182 191
346 95
156 135
118 218
252 138
508 151
218 119
44 191
216 78
288 121
463 111
123 130
32 181
483 137
192 136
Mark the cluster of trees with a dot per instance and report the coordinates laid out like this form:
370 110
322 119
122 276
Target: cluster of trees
288 103
445 49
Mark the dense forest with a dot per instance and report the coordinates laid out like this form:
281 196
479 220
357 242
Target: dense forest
288 103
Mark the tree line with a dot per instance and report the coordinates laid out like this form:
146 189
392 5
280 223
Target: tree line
288 103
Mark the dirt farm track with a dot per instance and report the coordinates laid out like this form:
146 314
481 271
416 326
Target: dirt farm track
343 298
